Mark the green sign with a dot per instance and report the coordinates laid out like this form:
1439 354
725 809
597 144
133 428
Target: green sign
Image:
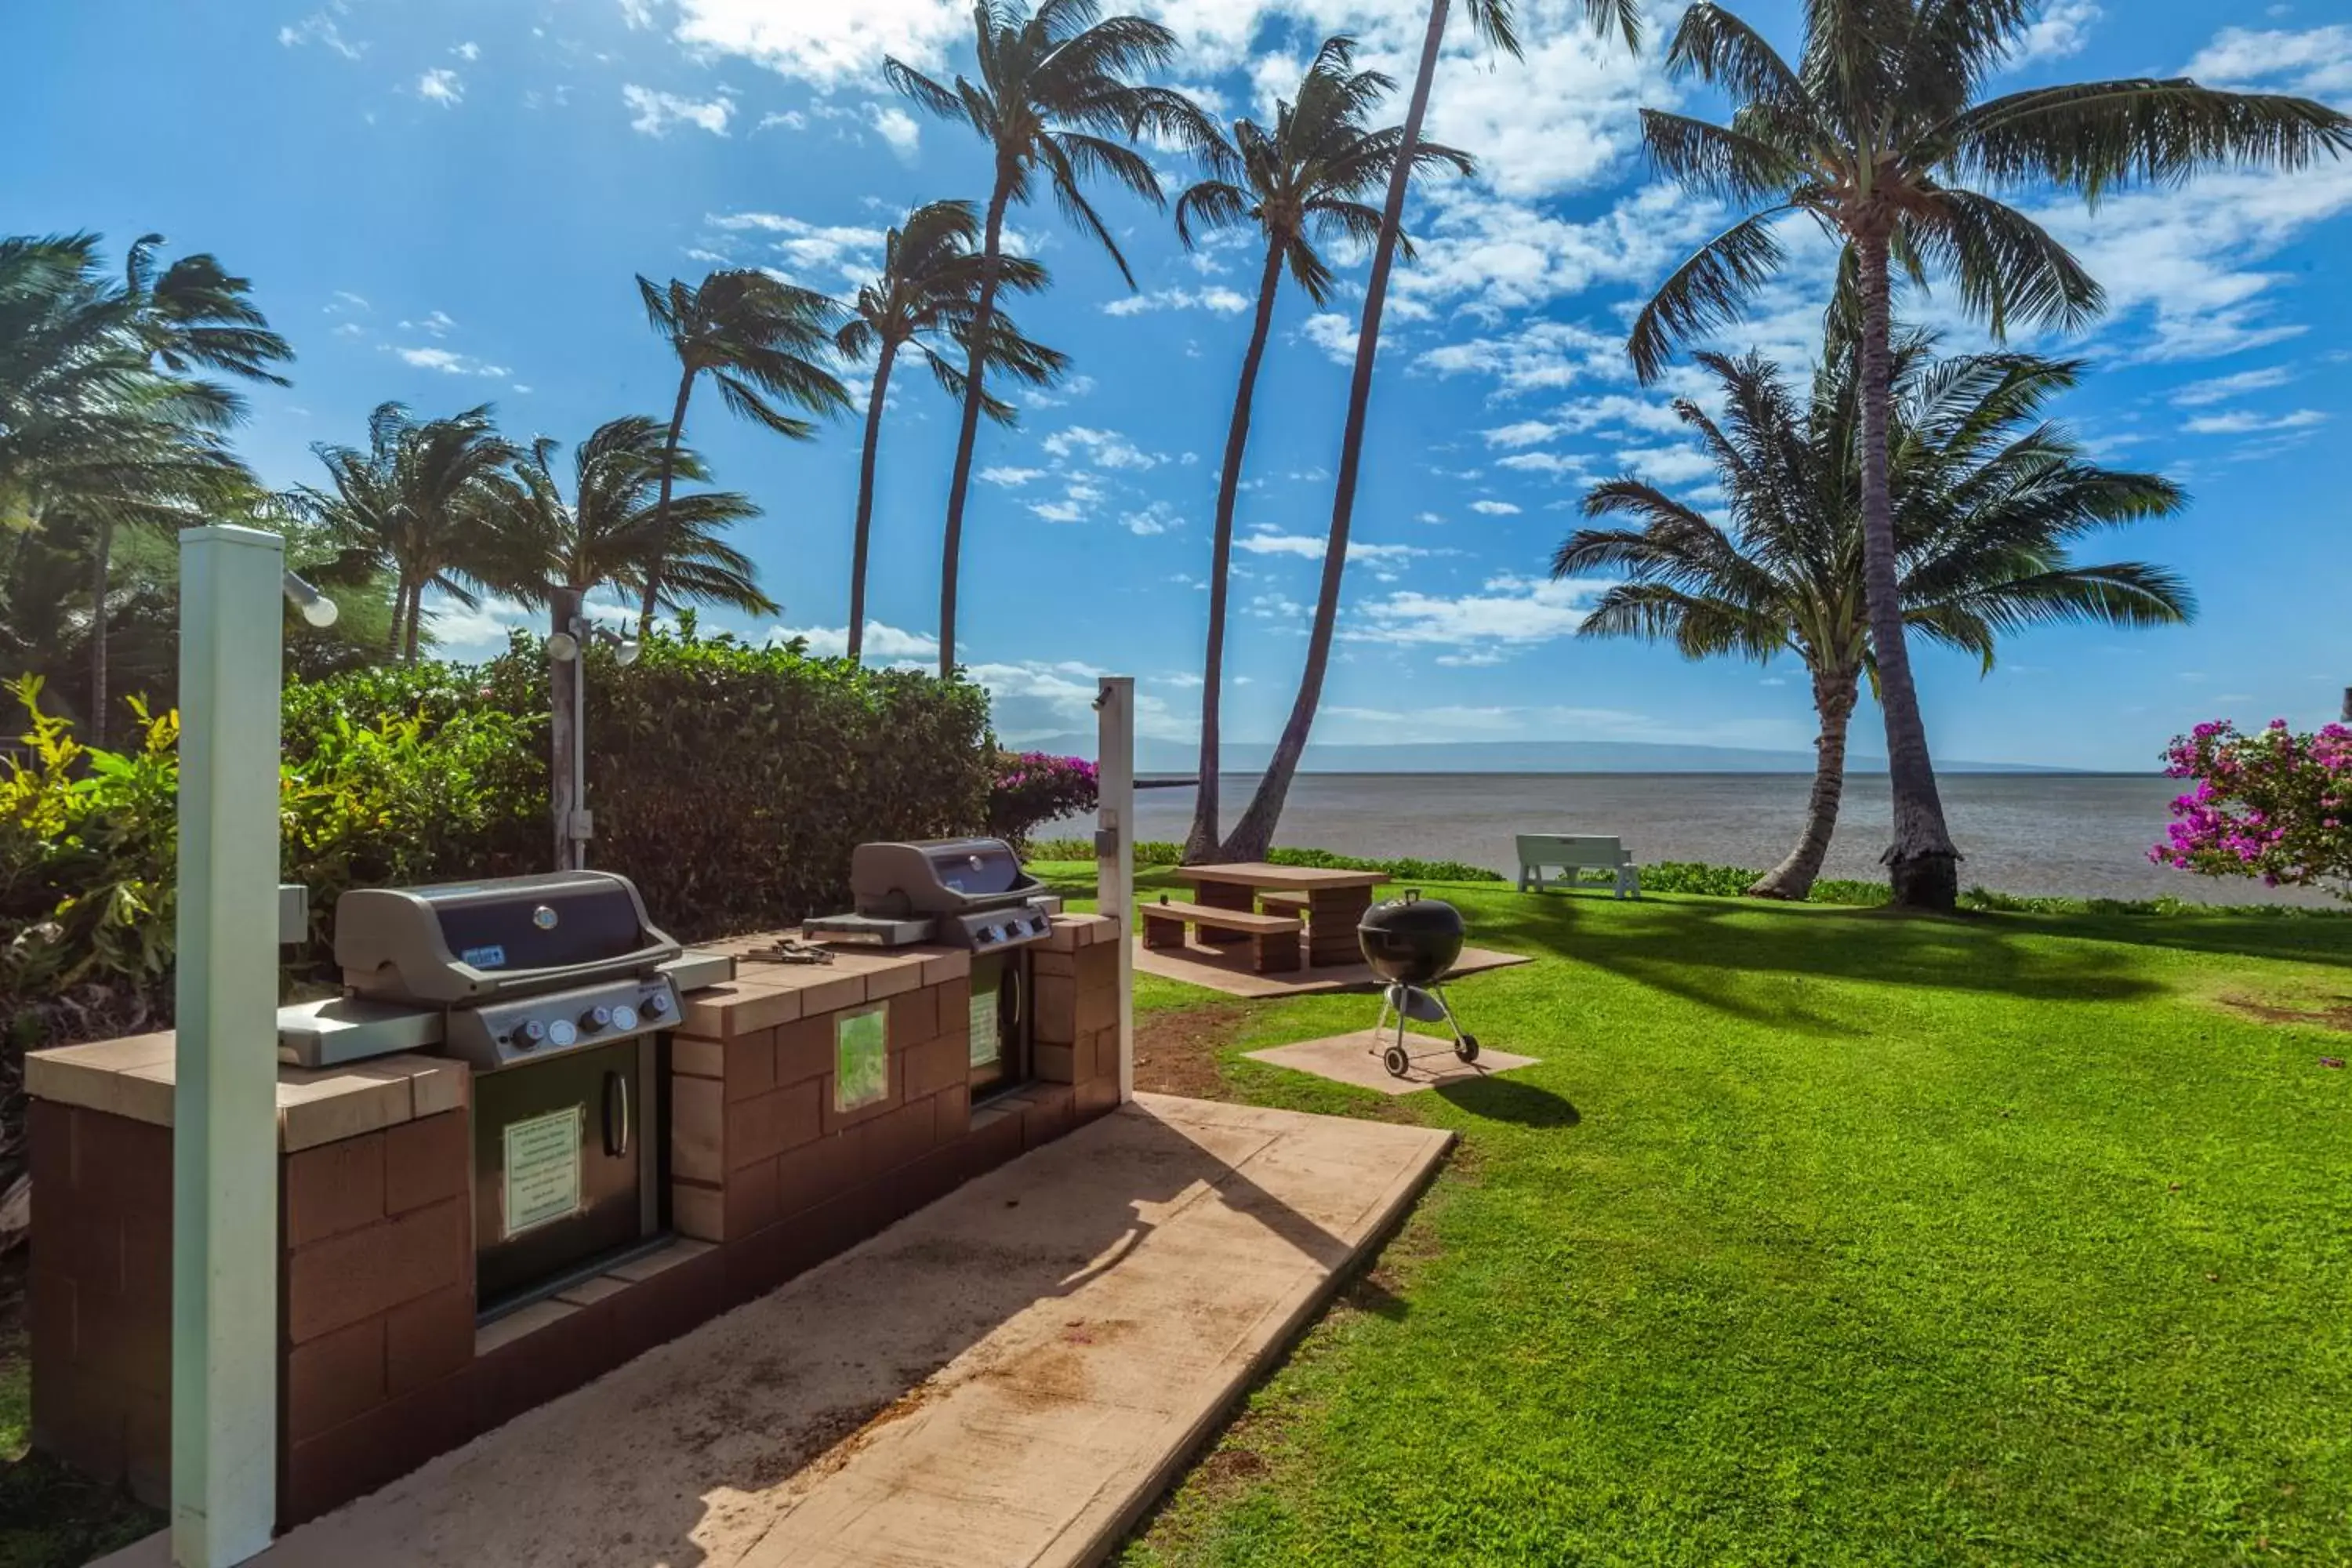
542 1168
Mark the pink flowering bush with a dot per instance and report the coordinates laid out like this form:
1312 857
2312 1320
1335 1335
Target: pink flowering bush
1033 788
2275 805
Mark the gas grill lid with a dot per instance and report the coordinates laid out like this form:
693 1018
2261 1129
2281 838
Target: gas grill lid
461 943
938 877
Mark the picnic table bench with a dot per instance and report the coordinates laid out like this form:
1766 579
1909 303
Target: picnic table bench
1334 902
1273 939
1575 854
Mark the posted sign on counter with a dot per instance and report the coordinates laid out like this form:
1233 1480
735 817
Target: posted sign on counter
542 1168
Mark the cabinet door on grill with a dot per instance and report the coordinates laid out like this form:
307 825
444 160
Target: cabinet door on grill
1000 1006
556 1165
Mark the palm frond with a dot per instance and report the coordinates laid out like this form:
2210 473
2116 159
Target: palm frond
1705 291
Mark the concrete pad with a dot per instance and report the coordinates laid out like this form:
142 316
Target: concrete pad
1356 1059
1228 971
1009 1376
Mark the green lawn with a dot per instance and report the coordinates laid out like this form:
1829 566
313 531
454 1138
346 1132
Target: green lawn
1827 1237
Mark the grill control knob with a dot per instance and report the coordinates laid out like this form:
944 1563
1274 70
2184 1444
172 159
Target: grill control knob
561 1033
625 1016
657 1004
597 1017
532 1033
986 933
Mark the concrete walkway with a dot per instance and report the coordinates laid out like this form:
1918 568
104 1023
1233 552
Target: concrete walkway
1010 1376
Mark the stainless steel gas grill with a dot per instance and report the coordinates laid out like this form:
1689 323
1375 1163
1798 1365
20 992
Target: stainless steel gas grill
971 893
554 989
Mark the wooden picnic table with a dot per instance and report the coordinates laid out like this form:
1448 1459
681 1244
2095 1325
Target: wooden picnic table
1336 900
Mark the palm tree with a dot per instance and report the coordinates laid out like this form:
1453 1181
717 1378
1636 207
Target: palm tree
193 313
1301 182
415 500
926 297
1493 21
615 530
93 435
1054 88
1987 500
1878 134
759 339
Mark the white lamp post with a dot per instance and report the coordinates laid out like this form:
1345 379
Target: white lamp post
568 729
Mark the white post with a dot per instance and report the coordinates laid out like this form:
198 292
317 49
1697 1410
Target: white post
1114 850
225 1100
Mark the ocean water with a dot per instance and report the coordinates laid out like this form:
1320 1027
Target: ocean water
2085 835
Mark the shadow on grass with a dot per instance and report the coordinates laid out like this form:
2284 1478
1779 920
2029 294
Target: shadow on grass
1688 948
1508 1100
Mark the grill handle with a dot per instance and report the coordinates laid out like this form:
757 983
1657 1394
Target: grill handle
643 959
617 1126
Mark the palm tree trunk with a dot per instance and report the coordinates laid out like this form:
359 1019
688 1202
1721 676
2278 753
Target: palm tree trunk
1200 844
651 600
101 551
865 500
415 620
952 548
1833 698
1922 866
1254 834
399 610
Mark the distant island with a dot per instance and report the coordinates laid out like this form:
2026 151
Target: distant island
1154 756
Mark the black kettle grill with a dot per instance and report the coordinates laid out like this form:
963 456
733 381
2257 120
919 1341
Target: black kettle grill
1412 943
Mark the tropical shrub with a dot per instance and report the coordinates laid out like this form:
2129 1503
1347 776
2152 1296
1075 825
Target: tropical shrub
1033 788
2276 805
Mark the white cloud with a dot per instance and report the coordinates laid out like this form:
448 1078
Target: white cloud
1103 449
1667 465
656 113
1266 540
1157 518
1059 510
449 363
437 323
2317 62
1225 302
1011 479
1540 354
1526 432
791 119
1542 463
2221 388
882 642
830 46
1494 508
2060 31
1615 408
896 128
1334 333
637 13
854 254
467 52
1506 609
441 86
2246 423
1427 517
320 28
1498 253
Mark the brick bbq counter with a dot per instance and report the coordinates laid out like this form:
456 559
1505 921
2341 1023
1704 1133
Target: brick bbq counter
784 1149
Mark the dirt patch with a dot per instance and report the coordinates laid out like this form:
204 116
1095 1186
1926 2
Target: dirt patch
1176 1052
2326 1012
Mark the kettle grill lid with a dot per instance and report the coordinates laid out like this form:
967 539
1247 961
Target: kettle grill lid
1412 915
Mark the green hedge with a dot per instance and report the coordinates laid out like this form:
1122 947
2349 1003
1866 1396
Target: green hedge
731 783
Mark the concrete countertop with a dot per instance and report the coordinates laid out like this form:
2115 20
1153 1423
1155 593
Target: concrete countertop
133 1076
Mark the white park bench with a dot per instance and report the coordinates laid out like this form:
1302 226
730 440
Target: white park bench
1574 854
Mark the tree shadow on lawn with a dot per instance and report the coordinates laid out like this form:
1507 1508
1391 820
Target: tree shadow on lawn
1677 946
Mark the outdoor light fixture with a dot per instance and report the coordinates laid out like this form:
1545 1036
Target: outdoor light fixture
564 647
316 607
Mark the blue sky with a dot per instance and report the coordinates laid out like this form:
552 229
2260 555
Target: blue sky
444 202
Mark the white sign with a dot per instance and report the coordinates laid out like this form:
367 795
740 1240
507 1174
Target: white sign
542 1168
986 1046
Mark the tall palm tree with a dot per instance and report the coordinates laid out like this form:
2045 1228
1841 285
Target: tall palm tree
1987 499
193 313
414 500
1493 21
1054 87
1300 183
926 297
764 341
93 435
1878 134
